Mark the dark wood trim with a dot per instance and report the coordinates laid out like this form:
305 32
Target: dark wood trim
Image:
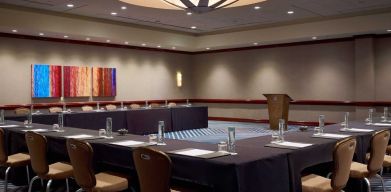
84 42
304 123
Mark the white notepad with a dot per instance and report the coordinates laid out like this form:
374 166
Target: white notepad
332 135
81 136
9 126
194 152
382 124
128 143
357 130
293 144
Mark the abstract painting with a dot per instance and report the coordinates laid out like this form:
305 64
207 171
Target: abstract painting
77 81
104 82
45 81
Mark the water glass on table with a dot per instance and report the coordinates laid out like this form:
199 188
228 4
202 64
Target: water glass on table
222 146
275 137
102 132
152 138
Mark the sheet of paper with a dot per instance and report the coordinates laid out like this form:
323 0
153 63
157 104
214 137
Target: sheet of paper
194 152
36 130
127 143
293 144
382 124
332 135
359 130
81 136
9 126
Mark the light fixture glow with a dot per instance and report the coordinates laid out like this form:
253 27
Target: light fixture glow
290 12
70 5
388 30
108 41
14 30
41 34
88 38
193 27
179 79
65 36
314 38
123 8
195 6
257 7
113 13
189 13
159 46
255 43
126 43
143 44
173 47
207 48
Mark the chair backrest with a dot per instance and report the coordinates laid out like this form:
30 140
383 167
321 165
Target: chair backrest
135 106
55 110
171 104
154 105
87 108
342 156
81 156
3 153
379 142
111 107
22 111
37 145
153 169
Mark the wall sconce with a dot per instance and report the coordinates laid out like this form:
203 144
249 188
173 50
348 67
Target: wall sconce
178 79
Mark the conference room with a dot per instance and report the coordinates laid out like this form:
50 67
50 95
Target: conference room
195 95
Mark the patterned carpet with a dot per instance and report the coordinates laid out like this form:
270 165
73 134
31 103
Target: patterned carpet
217 132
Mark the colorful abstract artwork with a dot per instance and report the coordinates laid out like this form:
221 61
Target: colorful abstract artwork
45 81
77 81
104 82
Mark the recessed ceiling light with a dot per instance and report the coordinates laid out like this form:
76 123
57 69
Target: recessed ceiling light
257 7
113 13
126 43
41 34
207 48
65 36
255 43
123 8
388 30
70 5
290 12
189 13
144 44
158 46
193 27
88 38
108 41
314 38
14 30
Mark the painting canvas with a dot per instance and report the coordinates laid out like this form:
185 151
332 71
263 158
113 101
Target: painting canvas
45 81
104 82
77 81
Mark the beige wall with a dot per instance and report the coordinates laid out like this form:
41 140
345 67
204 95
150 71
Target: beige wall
140 74
383 69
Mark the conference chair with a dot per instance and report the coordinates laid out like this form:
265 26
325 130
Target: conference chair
171 104
111 107
37 146
87 108
154 171
135 106
379 142
22 111
12 161
342 158
389 149
55 110
154 105
81 156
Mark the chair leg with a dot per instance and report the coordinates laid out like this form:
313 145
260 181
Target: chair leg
6 179
48 185
32 181
79 190
28 174
329 175
368 184
381 171
67 182
382 182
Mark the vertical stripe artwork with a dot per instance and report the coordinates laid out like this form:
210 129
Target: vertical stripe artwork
77 81
45 81
104 82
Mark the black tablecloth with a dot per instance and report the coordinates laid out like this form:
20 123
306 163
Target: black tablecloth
145 121
96 120
184 118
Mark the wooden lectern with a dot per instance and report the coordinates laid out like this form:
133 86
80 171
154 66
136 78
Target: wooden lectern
278 106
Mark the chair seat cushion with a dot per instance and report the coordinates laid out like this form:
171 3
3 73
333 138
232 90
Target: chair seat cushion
110 182
315 183
358 170
17 160
59 171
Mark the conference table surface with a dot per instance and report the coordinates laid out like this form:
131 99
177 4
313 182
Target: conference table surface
256 167
138 121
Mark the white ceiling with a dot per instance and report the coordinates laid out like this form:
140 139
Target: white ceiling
272 12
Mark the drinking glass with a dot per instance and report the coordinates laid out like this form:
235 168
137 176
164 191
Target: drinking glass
385 114
160 136
222 146
275 137
369 120
281 129
29 120
109 127
61 122
317 131
321 124
102 132
346 123
231 140
152 138
2 119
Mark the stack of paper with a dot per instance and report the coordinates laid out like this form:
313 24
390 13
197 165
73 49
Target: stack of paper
194 152
331 136
81 136
357 130
128 143
292 144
